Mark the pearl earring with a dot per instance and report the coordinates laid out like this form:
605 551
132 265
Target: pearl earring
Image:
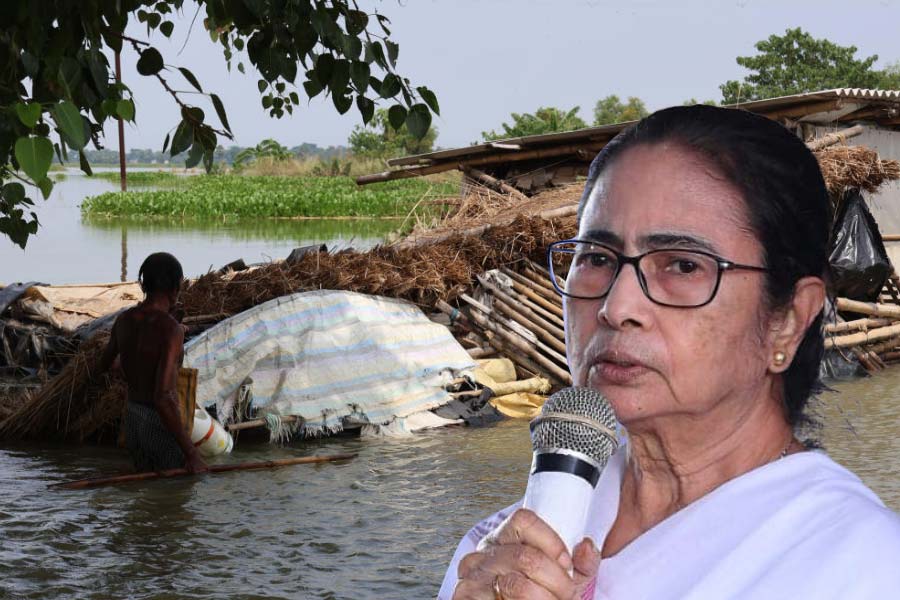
779 358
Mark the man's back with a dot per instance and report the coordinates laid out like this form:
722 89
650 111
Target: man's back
149 341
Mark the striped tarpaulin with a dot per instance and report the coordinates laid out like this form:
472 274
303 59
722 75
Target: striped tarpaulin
326 355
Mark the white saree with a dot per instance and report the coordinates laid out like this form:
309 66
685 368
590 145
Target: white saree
801 527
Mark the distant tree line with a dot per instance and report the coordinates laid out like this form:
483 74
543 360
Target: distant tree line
222 154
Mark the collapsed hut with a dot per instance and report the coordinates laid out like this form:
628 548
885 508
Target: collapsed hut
480 268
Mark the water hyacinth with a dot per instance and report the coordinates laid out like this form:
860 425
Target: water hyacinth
273 197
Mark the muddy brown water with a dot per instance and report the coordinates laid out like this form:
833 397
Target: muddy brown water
381 526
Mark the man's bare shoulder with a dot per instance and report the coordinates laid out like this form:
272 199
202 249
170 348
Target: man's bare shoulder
140 316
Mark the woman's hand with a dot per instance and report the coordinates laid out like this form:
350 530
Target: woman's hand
525 558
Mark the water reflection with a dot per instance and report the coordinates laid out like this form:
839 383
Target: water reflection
70 249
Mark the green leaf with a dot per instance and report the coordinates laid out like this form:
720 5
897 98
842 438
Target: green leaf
375 84
14 192
68 119
393 51
324 68
110 107
397 116
342 103
28 113
184 137
429 98
69 75
418 120
166 143
220 111
194 156
167 28
153 20
390 86
34 155
356 22
352 47
312 87
31 64
84 164
99 73
46 186
262 84
340 77
366 108
150 62
359 75
191 79
125 109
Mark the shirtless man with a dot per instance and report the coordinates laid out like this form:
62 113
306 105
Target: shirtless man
149 343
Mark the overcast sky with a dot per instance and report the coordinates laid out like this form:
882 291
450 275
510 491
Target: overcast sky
488 58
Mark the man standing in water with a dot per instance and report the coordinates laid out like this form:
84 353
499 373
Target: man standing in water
149 343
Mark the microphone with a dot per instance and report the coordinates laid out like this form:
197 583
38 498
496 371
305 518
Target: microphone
573 439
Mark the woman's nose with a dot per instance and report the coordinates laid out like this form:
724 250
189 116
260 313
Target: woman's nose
625 305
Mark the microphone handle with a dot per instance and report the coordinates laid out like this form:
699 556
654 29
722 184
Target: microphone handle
562 500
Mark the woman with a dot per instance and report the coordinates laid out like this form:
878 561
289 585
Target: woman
693 300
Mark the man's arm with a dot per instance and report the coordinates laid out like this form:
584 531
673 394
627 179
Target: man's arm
111 351
165 397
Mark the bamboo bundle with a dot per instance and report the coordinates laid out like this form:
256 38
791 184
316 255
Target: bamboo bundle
520 316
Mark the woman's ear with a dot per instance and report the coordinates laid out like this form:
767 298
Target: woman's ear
793 320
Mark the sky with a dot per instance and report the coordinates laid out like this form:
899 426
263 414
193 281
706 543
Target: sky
486 59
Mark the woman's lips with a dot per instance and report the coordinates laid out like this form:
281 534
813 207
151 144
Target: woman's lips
619 370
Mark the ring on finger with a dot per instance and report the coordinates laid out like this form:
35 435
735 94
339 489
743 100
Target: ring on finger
498 595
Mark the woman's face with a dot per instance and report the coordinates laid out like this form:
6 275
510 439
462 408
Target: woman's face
657 362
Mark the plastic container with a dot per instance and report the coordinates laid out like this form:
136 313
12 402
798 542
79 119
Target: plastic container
209 436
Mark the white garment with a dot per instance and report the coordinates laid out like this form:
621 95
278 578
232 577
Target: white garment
801 527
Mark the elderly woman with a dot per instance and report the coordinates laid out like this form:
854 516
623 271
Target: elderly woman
694 300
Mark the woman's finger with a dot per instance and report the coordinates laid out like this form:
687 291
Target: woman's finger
526 527
586 560
531 563
510 586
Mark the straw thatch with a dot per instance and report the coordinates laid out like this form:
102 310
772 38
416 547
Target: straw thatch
422 274
846 167
78 404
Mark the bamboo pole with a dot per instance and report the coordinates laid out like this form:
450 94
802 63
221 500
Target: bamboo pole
519 344
863 337
481 352
538 299
835 138
525 301
553 341
497 184
254 423
546 293
863 324
534 385
502 320
540 279
247 466
868 308
557 332
888 344
865 362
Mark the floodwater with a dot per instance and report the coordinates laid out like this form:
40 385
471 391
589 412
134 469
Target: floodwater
68 249
381 526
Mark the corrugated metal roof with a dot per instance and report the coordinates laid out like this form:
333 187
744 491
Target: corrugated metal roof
817 107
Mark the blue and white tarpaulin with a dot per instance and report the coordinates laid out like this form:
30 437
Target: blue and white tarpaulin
326 355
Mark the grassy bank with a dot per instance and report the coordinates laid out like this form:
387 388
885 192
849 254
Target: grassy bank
272 197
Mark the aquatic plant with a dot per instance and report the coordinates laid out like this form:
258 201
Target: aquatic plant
279 197
142 178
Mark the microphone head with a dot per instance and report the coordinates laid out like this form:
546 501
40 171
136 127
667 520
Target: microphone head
579 421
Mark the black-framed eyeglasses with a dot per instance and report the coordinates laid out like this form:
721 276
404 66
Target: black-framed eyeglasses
669 277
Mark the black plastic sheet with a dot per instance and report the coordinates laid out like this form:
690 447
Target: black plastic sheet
859 263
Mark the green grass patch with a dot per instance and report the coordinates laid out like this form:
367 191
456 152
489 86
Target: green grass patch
274 197
143 178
